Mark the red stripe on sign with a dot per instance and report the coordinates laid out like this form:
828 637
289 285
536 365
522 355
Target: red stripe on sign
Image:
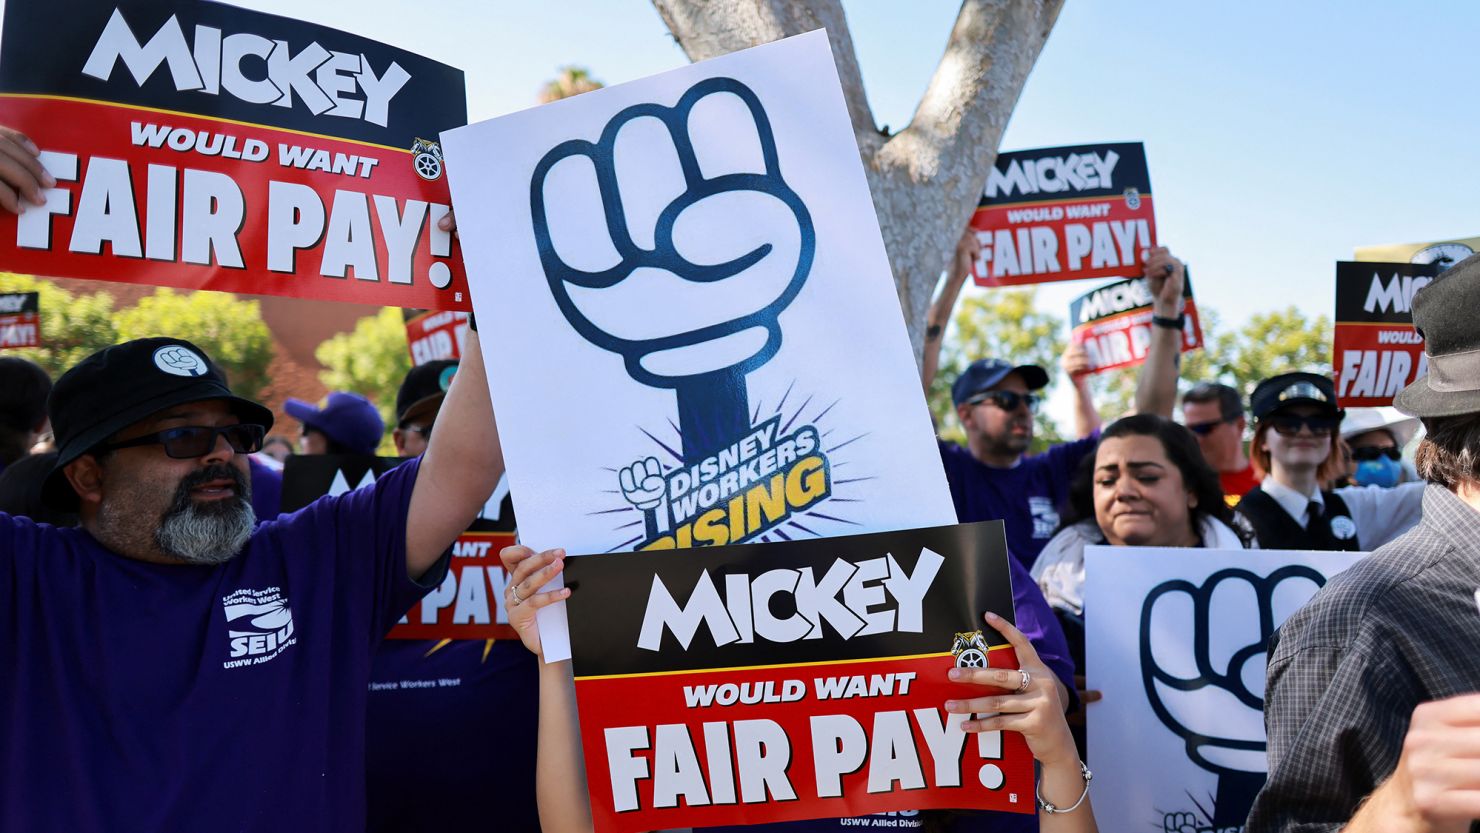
781 743
1122 340
20 330
169 199
1062 241
469 604
1375 361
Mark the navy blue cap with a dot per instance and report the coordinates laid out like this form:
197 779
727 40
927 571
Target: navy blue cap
347 418
982 374
1288 389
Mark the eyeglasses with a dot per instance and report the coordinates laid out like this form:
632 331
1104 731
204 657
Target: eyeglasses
1008 400
1288 424
1202 429
1373 452
191 441
424 430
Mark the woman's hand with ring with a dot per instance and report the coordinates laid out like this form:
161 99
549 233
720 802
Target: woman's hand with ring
530 571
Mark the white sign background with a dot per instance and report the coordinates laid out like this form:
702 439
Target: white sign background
571 417
1144 778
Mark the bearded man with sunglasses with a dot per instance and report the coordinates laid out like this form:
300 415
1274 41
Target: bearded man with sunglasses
169 665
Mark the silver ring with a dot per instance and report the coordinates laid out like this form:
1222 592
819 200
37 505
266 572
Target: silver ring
1027 681
514 593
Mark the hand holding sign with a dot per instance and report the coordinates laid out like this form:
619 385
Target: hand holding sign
529 571
1165 276
642 224
21 173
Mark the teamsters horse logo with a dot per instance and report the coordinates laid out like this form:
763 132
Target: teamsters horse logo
738 475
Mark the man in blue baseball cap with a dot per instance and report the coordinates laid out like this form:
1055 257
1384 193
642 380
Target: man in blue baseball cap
347 424
994 476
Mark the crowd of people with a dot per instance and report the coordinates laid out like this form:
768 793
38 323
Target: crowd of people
146 575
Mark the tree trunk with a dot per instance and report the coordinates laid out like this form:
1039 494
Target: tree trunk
926 179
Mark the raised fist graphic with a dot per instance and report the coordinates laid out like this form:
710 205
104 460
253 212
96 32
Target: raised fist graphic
1211 692
643 486
1182 823
674 242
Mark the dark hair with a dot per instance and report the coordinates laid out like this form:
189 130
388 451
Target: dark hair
1449 453
1181 448
1230 403
24 387
331 445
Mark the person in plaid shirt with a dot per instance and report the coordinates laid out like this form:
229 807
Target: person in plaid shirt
1372 720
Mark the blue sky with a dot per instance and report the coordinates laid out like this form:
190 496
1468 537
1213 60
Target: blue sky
1279 135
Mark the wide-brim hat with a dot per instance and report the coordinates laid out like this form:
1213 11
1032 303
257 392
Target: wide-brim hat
1362 420
124 384
1444 315
983 374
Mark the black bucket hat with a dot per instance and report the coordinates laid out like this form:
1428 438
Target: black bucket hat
123 384
1444 314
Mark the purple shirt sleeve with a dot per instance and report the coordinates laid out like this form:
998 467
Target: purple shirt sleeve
1037 622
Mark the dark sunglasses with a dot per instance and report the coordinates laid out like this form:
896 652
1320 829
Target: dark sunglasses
190 441
1008 400
1373 452
1288 425
1202 429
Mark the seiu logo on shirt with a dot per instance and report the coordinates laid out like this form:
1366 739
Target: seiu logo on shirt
1045 517
261 626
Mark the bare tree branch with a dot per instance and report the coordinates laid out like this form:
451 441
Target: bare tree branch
710 28
926 180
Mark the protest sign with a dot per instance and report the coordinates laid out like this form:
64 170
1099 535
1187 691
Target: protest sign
1114 324
206 146
700 339
809 677
1377 351
20 319
1445 253
436 335
1060 214
1175 642
469 603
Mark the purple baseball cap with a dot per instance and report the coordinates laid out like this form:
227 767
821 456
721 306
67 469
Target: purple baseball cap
347 418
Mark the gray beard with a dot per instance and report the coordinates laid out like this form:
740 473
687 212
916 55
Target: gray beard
206 535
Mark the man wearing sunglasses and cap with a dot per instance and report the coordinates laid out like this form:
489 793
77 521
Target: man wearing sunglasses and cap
1372 722
993 476
170 666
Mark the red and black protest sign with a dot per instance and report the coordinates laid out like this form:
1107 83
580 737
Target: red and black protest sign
20 319
1377 351
436 335
469 603
1114 324
1060 214
793 680
206 146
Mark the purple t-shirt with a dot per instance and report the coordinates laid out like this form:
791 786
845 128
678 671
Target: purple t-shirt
181 698
1027 496
451 736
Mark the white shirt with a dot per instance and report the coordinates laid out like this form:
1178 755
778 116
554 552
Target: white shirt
1381 514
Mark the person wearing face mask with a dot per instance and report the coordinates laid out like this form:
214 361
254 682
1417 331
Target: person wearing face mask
1294 450
1375 438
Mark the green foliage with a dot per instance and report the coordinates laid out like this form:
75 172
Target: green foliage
229 329
1005 324
73 327
370 360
